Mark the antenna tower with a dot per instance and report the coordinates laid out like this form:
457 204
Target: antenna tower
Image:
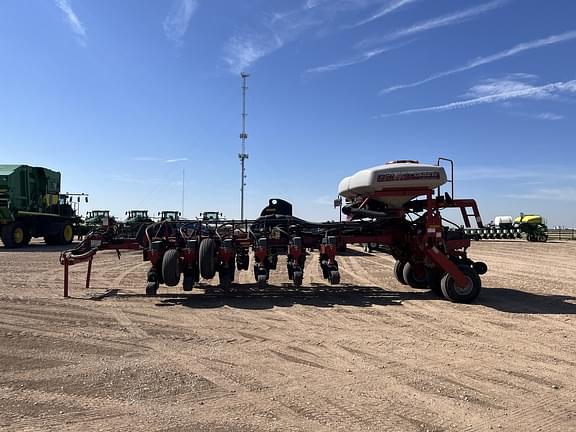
243 136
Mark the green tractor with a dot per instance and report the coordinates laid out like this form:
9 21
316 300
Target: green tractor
31 205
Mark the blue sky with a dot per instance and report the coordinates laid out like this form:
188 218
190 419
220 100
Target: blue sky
122 96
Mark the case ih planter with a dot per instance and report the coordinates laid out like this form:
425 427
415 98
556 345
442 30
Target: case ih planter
397 206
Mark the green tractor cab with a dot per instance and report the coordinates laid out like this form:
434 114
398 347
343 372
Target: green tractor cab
169 215
96 217
211 216
137 217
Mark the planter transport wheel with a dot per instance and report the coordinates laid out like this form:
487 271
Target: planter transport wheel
415 275
398 272
207 258
170 268
465 294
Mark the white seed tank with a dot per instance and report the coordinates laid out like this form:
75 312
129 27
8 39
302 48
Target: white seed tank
393 175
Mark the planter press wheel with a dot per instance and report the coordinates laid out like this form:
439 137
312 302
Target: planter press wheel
262 281
226 276
151 288
334 277
466 294
297 278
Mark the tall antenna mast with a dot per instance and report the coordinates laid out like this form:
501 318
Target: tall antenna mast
243 136
182 192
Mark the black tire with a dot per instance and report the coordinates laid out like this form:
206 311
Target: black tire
188 282
27 238
207 258
543 238
50 240
290 269
434 278
465 294
171 268
297 278
226 276
415 276
151 288
334 277
398 272
262 280
14 235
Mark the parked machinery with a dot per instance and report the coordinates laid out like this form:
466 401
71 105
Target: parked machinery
31 205
397 205
504 227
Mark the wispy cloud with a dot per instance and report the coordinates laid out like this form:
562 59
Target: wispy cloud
388 9
169 161
73 21
555 194
157 159
494 91
242 51
441 21
361 58
480 61
276 30
529 175
178 19
549 116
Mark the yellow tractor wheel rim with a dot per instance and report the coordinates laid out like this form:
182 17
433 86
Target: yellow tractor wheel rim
18 235
68 233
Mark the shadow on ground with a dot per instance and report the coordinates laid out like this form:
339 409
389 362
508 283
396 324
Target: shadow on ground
286 295
515 301
39 247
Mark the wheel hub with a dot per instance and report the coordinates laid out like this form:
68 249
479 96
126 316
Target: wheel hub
18 235
466 289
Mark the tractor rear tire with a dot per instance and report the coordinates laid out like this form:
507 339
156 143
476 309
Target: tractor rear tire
171 268
398 272
465 294
14 235
415 276
207 258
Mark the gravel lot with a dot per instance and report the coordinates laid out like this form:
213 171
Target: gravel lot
369 354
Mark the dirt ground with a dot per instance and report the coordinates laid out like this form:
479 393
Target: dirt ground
367 355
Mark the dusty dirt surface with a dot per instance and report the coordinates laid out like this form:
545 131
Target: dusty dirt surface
367 355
